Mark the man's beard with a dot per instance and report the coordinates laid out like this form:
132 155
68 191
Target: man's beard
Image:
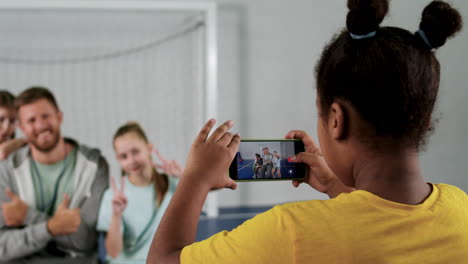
49 147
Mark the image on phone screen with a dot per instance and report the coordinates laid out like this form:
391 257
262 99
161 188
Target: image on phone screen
259 160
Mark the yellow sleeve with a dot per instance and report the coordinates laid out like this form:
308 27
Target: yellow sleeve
266 238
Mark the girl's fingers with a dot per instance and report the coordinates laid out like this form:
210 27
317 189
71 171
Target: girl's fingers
296 183
114 187
231 185
157 166
122 184
220 131
234 144
203 134
116 202
226 139
171 167
304 157
120 199
310 144
158 154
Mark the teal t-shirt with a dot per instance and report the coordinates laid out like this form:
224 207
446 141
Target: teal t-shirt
139 220
50 179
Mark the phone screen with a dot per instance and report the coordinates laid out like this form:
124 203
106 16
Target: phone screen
259 160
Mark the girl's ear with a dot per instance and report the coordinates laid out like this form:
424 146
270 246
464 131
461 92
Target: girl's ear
337 120
150 147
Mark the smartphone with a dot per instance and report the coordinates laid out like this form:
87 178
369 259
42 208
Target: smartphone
267 160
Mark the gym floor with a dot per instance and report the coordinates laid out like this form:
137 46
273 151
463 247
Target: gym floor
228 219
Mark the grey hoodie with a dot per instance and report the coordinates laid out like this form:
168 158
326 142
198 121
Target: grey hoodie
27 244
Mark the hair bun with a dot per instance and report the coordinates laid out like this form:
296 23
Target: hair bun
440 21
365 16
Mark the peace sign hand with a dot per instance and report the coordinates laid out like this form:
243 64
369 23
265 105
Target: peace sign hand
119 200
171 167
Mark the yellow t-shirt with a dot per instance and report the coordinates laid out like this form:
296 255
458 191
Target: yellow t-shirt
356 227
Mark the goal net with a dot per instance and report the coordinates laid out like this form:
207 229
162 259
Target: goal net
109 67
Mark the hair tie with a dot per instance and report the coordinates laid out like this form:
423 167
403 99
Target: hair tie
369 35
424 37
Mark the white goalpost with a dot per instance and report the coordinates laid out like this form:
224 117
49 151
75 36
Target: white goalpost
166 81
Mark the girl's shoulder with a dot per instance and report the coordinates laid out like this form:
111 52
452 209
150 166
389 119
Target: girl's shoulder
452 193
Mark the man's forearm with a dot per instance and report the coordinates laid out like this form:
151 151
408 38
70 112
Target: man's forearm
178 227
17 243
34 216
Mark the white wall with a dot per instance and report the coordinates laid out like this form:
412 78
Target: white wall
159 86
268 51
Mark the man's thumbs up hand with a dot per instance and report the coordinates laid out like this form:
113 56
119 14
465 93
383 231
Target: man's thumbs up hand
15 210
65 221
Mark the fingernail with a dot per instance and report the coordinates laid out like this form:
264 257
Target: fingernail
212 120
291 159
230 123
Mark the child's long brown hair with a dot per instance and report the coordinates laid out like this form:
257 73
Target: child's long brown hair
161 181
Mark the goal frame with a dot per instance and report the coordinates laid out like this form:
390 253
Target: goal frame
210 61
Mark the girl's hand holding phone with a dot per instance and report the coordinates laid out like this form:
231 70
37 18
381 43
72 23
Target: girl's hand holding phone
319 175
210 157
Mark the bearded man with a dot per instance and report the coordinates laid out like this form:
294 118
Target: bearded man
50 190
